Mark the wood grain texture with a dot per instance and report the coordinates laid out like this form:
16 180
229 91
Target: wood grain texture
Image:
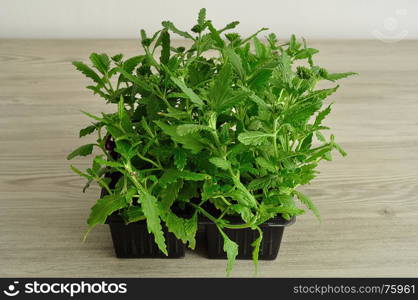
368 200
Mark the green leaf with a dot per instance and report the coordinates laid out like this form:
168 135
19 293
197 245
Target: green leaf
260 49
169 25
305 53
220 163
170 193
130 64
125 121
260 183
337 76
255 138
103 208
117 57
201 17
244 211
256 245
236 62
307 142
265 164
231 249
88 130
221 88
86 70
165 47
340 150
108 163
260 102
254 35
143 85
183 229
101 62
309 204
321 116
92 116
81 151
243 198
320 136
319 94
150 208
172 175
180 158
77 171
134 214
189 141
215 34
188 91
192 128
193 176
228 26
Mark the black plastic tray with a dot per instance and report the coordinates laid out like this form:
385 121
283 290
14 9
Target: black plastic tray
134 241
270 245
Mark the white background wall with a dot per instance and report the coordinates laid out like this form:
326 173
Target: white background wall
123 18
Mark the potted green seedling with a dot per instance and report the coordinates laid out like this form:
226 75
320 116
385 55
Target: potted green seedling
220 133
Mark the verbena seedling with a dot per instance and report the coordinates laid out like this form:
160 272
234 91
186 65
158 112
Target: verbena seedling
234 127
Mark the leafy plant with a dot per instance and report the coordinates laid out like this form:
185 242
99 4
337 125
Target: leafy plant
227 126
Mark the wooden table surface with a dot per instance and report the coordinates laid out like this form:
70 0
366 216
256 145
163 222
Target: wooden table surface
368 200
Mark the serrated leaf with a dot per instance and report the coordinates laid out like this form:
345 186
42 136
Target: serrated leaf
81 151
172 175
103 208
228 26
189 141
256 249
87 130
231 249
321 116
244 211
180 158
88 72
125 121
309 204
169 25
92 116
236 62
254 137
215 35
170 193
188 91
307 142
184 229
337 76
220 163
267 165
77 171
130 64
150 208
260 183
143 85
108 163
305 53
134 214
319 94
101 62
165 47
201 17
192 128
188 175
221 87
243 198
